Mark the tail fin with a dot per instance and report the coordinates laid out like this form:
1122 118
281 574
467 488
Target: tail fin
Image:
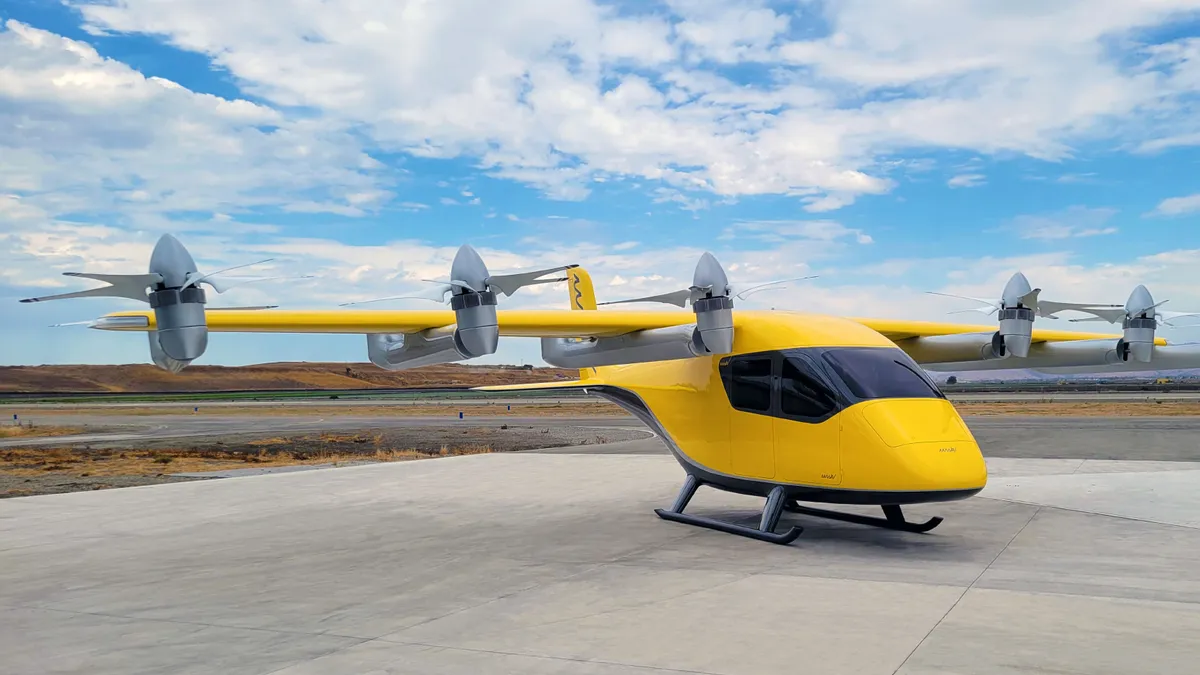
581 293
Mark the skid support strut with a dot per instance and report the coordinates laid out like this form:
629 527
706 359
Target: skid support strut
766 526
893 517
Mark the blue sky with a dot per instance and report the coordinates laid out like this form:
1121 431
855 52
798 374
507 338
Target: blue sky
891 149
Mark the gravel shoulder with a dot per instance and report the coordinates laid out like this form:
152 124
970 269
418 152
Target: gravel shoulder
47 470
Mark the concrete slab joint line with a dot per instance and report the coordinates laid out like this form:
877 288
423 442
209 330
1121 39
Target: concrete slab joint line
967 590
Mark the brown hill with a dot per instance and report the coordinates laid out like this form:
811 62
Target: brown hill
265 377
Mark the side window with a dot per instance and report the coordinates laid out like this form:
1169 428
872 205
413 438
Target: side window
750 384
801 393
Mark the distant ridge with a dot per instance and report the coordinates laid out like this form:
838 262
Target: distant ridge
264 377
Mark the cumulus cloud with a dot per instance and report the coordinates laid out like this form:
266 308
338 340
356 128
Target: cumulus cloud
84 133
966 180
1175 206
554 93
1070 223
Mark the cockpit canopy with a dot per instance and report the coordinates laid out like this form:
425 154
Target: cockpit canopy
814 383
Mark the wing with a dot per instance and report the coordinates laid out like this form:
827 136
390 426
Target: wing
898 330
512 323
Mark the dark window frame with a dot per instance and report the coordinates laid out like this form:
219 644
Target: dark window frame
727 379
811 368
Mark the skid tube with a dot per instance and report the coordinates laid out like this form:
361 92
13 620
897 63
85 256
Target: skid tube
766 526
893 517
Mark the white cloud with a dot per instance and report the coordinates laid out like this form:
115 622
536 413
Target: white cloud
80 132
557 93
1175 206
1070 223
967 180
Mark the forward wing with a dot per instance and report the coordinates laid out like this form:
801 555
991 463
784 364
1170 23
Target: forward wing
898 330
512 323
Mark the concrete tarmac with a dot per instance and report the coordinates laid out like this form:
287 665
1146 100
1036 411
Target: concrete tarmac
556 563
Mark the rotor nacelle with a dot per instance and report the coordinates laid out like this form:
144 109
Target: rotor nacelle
1017 310
178 303
714 307
1139 326
474 305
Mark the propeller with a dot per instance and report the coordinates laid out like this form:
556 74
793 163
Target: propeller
1016 310
171 266
171 286
472 276
1017 293
1140 305
1139 318
716 284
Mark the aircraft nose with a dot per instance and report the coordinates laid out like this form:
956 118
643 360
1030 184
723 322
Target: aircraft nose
907 421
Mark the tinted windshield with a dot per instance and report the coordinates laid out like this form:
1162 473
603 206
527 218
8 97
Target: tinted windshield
881 373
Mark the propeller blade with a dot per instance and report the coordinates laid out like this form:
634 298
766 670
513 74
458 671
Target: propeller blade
131 286
1098 318
1167 317
742 294
509 283
991 303
225 284
244 309
1056 307
119 279
983 310
453 283
195 277
678 298
1114 315
433 295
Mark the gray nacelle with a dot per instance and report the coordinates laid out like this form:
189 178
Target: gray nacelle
477 332
714 312
400 351
181 327
178 307
714 323
1016 318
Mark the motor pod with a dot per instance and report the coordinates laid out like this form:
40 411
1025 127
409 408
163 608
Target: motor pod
1017 311
714 313
160 358
178 307
474 305
179 315
1139 325
400 351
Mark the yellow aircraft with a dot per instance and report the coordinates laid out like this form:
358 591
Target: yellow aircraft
789 406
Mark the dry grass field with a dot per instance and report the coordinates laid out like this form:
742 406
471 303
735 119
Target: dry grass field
586 407
36 431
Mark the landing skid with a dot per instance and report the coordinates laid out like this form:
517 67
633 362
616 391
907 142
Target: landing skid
766 526
777 503
893 517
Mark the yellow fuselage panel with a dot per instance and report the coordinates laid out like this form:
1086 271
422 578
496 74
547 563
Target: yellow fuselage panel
886 445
